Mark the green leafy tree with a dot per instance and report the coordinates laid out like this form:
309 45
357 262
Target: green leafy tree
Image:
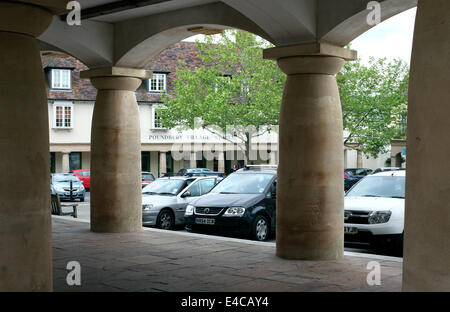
374 103
235 87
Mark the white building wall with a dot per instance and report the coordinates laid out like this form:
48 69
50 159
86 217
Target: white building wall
82 120
159 139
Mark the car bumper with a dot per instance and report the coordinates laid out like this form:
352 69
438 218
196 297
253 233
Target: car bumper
232 224
149 217
370 233
75 195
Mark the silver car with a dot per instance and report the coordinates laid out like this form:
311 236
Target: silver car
164 200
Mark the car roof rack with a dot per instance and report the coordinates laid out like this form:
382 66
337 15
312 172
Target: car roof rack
260 167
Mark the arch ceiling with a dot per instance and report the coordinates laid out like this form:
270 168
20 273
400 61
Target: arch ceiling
130 33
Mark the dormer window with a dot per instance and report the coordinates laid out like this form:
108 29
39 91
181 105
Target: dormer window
157 83
61 79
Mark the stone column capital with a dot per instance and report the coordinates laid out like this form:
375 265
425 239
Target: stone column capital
313 58
29 17
116 78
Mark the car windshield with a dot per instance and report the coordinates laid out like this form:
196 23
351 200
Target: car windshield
379 186
148 177
164 187
243 184
65 178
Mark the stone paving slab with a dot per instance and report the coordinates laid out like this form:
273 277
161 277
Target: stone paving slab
156 260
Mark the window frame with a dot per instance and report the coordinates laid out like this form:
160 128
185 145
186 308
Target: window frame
52 78
64 105
157 90
154 111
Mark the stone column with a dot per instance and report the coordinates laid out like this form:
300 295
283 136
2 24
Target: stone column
162 163
272 158
221 162
359 160
427 213
192 160
65 162
25 221
116 150
310 197
345 158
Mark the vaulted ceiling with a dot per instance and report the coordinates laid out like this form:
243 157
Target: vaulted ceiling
130 33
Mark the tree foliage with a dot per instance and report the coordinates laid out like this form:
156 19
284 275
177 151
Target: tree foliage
235 87
374 102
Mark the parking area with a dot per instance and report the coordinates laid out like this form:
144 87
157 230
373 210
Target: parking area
84 213
157 260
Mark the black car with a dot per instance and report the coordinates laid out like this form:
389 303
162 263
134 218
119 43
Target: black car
384 169
353 175
198 172
244 203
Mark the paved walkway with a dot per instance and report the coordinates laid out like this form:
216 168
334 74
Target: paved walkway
156 260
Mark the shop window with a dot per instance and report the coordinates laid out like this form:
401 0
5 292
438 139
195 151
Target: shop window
74 161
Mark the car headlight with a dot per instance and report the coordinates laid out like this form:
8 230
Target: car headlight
147 207
234 211
59 188
81 187
378 217
189 210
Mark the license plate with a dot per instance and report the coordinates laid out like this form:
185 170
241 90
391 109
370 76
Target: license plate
350 230
204 221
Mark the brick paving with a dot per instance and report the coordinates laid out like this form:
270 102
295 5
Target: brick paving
161 261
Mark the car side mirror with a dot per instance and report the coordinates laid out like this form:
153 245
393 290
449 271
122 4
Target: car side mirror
186 194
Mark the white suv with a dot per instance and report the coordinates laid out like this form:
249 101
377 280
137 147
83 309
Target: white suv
374 211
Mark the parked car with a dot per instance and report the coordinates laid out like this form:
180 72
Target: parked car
199 172
244 202
358 172
85 176
164 200
60 183
147 178
374 211
353 175
384 169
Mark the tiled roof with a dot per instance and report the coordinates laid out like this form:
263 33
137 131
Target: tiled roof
82 90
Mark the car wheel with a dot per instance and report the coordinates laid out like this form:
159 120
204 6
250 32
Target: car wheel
166 220
82 199
260 228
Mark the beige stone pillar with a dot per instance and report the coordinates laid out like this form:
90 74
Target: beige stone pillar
359 160
116 150
162 163
394 161
273 158
65 162
192 160
221 162
345 158
427 213
25 221
310 200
